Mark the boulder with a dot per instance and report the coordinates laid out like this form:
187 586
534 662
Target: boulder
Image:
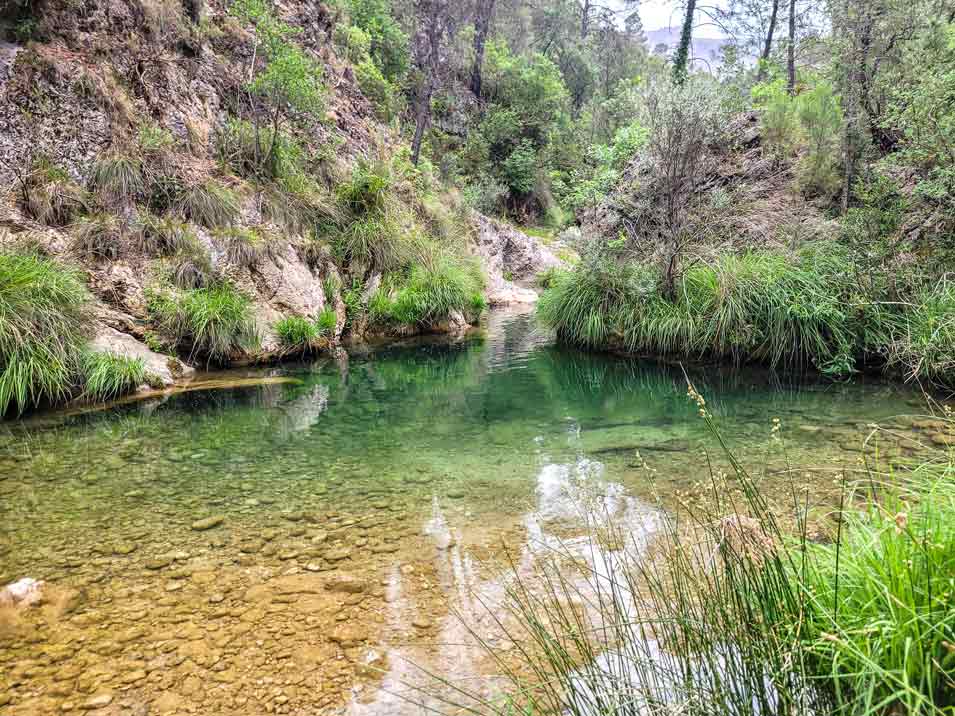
168 369
23 592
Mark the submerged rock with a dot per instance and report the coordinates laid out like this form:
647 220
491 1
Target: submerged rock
23 592
208 523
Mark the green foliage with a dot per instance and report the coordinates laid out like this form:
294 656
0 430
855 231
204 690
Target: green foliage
820 115
42 330
377 89
271 155
118 179
327 322
99 236
192 268
779 118
298 334
519 170
367 190
924 346
208 203
431 294
388 42
290 79
154 141
486 195
107 376
49 195
214 322
353 42
873 614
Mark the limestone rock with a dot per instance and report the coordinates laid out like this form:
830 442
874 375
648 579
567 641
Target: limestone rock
168 369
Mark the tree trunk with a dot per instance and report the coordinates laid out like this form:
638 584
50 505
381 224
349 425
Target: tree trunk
682 57
585 20
422 118
768 46
482 25
791 50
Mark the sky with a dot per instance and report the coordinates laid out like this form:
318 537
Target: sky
660 14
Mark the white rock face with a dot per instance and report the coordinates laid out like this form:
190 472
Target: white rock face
285 286
505 250
23 592
168 369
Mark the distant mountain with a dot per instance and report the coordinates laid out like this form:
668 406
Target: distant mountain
706 48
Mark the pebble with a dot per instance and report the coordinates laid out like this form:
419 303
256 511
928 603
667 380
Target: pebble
97 702
208 523
158 563
336 555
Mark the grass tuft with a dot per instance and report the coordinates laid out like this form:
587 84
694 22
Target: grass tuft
209 204
214 322
99 236
246 247
42 330
431 294
118 179
108 376
50 196
164 236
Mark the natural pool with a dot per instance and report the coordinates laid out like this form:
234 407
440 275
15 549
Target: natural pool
288 547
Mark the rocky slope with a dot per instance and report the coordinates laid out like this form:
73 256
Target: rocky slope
97 73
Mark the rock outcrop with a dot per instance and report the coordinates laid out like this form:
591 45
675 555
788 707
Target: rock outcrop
511 260
168 369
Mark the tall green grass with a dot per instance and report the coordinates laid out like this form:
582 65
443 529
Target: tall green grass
42 329
107 376
214 322
431 294
721 610
793 311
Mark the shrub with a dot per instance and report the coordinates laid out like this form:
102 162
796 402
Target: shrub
118 179
49 195
107 376
42 329
486 196
165 236
209 204
820 114
520 169
154 141
271 154
246 247
215 322
100 236
377 89
779 118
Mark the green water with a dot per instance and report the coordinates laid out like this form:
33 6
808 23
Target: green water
344 469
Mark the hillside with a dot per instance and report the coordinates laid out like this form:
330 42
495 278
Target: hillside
217 214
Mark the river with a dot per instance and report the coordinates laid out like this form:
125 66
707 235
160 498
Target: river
308 547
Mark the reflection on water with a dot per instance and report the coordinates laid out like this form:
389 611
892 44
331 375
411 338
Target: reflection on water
357 512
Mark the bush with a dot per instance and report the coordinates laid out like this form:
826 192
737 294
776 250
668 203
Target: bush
49 195
107 376
377 89
520 169
367 190
486 196
214 322
432 294
42 330
820 114
270 155
208 204
779 118
100 236
118 179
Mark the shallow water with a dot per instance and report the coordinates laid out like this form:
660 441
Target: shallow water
357 510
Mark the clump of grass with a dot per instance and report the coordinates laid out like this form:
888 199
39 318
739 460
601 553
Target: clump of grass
548 277
42 329
209 203
327 322
154 142
367 191
299 203
99 236
298 334
118 179
431 294
268 155
923 345
107 376
49 195
246 247
164 236
192 268
214 322
376 242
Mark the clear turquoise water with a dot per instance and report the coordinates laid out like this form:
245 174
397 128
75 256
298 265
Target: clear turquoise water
382 440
